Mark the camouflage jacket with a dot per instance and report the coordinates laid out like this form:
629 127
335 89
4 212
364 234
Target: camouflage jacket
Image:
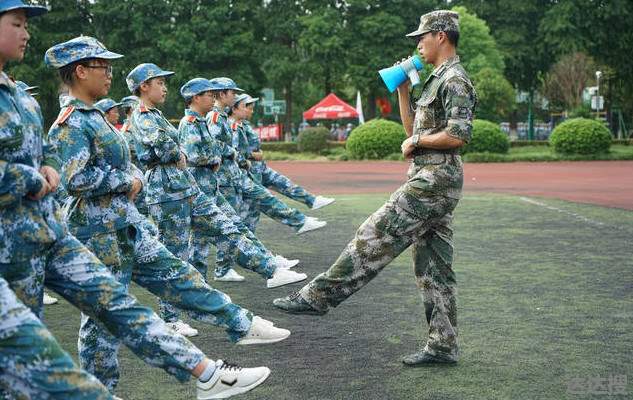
158 151
220 129
24 224
128 133
203 150
241 144
253 144
96 169
447 103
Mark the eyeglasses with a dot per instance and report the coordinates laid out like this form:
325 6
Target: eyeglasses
106 68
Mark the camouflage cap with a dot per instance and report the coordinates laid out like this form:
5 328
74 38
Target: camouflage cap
130 101
142 73
77 49
106 105
223 83
437 21
30 10
247 99
195 87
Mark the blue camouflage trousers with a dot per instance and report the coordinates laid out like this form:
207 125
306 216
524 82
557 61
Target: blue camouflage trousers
224 261
411 217
261 173
135 253
32 364
246 194
189 227
73 272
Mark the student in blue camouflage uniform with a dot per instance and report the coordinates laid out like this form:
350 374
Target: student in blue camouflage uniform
233 182
175 201
35 244
419 213
110 109
203 158
97 172
251 158
33 364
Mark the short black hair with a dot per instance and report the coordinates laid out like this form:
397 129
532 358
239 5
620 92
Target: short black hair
67 72
137 91
188 101
452 36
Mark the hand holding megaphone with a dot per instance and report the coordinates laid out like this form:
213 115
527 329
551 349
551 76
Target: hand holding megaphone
407 69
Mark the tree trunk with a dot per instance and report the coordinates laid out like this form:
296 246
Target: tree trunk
371 105
288 120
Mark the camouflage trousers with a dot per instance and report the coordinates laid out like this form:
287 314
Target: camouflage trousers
410 217
135 253
189 227
79 277
271 179
33 365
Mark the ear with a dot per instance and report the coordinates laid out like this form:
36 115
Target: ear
144 87
81 72
441 37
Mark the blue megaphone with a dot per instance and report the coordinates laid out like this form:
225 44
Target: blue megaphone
408 69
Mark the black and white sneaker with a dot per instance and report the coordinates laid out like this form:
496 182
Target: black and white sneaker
229 380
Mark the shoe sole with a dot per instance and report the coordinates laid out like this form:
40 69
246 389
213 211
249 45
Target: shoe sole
285 283
323 205
228 280
247 342
312 229
236 391
307 312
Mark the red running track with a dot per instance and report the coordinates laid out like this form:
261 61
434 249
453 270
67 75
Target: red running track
605 183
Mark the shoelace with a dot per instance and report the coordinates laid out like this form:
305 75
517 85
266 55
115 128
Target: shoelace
294 295
230 367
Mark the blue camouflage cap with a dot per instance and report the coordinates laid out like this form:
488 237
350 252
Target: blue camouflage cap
142 73
24 86
195 87
30 10
106 105
223 83
130 101
247 99
77 49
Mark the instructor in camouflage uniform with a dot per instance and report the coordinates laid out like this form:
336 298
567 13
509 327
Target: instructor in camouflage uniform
419 213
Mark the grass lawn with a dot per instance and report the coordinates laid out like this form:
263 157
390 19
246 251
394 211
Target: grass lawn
545 296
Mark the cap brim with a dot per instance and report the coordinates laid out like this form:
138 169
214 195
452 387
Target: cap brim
31 11
164 74
238 89
252 100
108 55
416 33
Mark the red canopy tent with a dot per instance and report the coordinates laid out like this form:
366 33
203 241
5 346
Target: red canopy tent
331 107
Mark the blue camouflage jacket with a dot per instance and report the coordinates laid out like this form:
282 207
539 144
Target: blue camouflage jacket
96 169
158 151
218 122
253 144
203 150
24 224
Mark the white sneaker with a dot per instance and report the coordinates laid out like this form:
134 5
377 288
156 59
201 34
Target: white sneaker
311 224
183 328
283 262
230 276
283 276
48 299
229 380
320 202
263 332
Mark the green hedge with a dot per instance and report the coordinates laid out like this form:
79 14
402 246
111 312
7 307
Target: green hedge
487 138
313 140
581 136
286 147
375 139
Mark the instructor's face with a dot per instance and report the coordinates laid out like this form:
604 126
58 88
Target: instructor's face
13 35
428 47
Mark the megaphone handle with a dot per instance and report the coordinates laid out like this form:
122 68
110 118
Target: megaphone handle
414 77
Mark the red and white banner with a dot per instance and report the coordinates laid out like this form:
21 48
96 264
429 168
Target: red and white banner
268 132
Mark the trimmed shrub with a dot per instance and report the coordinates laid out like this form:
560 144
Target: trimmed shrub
580 136
375 139
487 138
313 140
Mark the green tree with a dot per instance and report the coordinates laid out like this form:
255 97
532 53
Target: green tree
496 96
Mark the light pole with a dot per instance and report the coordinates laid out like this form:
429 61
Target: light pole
598 76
